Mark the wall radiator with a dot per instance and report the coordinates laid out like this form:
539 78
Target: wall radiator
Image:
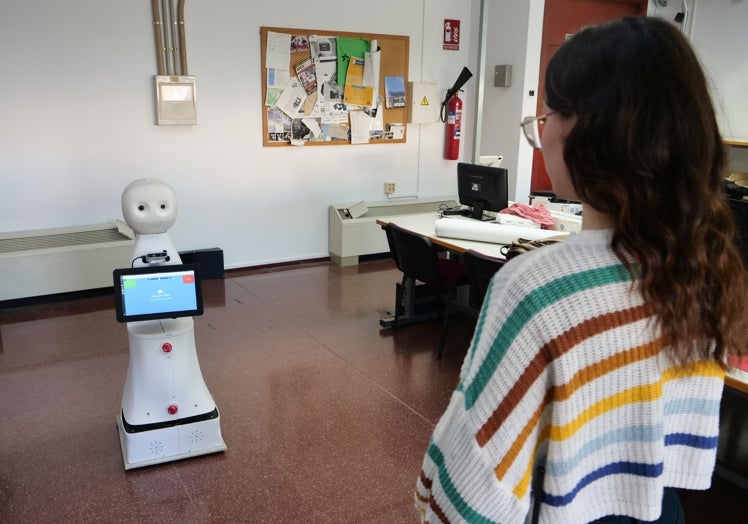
353 228
50 261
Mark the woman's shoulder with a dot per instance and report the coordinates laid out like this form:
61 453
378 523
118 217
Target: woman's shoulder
582 251
586 243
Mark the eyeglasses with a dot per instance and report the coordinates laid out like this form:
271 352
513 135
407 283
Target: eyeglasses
531 128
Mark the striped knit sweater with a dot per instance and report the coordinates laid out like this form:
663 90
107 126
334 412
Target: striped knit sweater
566 371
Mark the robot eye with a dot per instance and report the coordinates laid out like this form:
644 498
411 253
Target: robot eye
163 206
141 207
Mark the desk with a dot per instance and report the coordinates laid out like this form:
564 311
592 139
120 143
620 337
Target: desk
737 379
427 225
408 298
732 450
423 224
732 453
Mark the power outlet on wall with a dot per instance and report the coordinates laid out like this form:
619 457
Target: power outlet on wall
389 188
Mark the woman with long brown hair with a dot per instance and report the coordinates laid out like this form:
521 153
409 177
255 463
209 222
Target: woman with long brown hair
596 370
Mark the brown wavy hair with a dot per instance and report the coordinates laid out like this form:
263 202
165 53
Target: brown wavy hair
646 150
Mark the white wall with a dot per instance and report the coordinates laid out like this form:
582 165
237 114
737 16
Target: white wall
77 124
513 36
716 29
671 9
76 114
720 38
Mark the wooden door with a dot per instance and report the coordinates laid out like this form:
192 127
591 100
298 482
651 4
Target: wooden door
562 18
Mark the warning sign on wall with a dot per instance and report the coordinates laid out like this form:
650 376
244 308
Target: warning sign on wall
451 34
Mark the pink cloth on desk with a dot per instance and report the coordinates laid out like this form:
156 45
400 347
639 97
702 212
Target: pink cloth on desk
538 213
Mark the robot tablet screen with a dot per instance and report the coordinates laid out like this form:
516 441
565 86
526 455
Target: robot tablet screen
150 293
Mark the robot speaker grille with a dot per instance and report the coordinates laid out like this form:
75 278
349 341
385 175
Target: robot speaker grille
196 436
157 448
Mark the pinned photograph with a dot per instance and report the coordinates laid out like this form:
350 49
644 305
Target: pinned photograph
394 90
299 44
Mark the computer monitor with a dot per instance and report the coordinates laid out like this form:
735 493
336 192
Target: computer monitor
483 188
157 292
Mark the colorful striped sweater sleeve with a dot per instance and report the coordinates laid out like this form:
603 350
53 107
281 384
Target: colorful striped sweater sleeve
566 371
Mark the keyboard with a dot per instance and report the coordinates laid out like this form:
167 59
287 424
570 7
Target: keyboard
456 212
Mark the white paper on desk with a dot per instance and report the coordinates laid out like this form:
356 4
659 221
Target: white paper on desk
278 50
494 233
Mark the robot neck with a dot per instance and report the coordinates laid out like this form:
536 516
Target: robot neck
152 244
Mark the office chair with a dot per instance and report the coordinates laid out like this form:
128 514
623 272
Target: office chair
419 260
481 268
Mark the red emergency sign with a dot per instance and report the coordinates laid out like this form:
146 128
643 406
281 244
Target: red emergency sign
451 34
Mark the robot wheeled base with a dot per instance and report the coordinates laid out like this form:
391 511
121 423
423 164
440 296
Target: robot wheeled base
167 411
156 446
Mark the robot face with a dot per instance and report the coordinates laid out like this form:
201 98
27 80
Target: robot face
149 206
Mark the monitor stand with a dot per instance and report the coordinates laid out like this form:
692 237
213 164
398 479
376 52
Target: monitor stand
477 213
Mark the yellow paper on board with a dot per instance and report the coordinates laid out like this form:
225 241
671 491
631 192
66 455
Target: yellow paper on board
356 93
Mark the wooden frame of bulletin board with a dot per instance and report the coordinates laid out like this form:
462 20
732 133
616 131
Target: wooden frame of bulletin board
394 63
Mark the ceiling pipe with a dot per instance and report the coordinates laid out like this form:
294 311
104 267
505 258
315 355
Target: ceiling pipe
159 37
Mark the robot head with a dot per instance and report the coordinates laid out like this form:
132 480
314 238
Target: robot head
149 206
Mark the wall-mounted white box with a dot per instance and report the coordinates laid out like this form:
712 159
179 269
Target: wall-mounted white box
423 106
175 100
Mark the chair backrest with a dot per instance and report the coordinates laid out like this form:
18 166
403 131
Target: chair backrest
481 268
414 254
393 246
740 211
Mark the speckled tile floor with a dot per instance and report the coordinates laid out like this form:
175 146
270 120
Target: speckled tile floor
325 415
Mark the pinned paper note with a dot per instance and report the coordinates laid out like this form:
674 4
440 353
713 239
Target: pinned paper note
291 100
347 48
324 55
356 92
278 51
372 66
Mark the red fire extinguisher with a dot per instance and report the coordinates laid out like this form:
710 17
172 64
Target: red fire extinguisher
454 125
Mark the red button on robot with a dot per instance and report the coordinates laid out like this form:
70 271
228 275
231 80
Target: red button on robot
166 347
172 409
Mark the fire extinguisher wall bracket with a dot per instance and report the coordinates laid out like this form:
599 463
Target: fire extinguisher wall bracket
453 127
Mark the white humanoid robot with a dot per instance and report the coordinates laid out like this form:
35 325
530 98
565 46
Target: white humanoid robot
167 411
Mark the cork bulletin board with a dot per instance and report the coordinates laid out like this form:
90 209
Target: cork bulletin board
314 102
